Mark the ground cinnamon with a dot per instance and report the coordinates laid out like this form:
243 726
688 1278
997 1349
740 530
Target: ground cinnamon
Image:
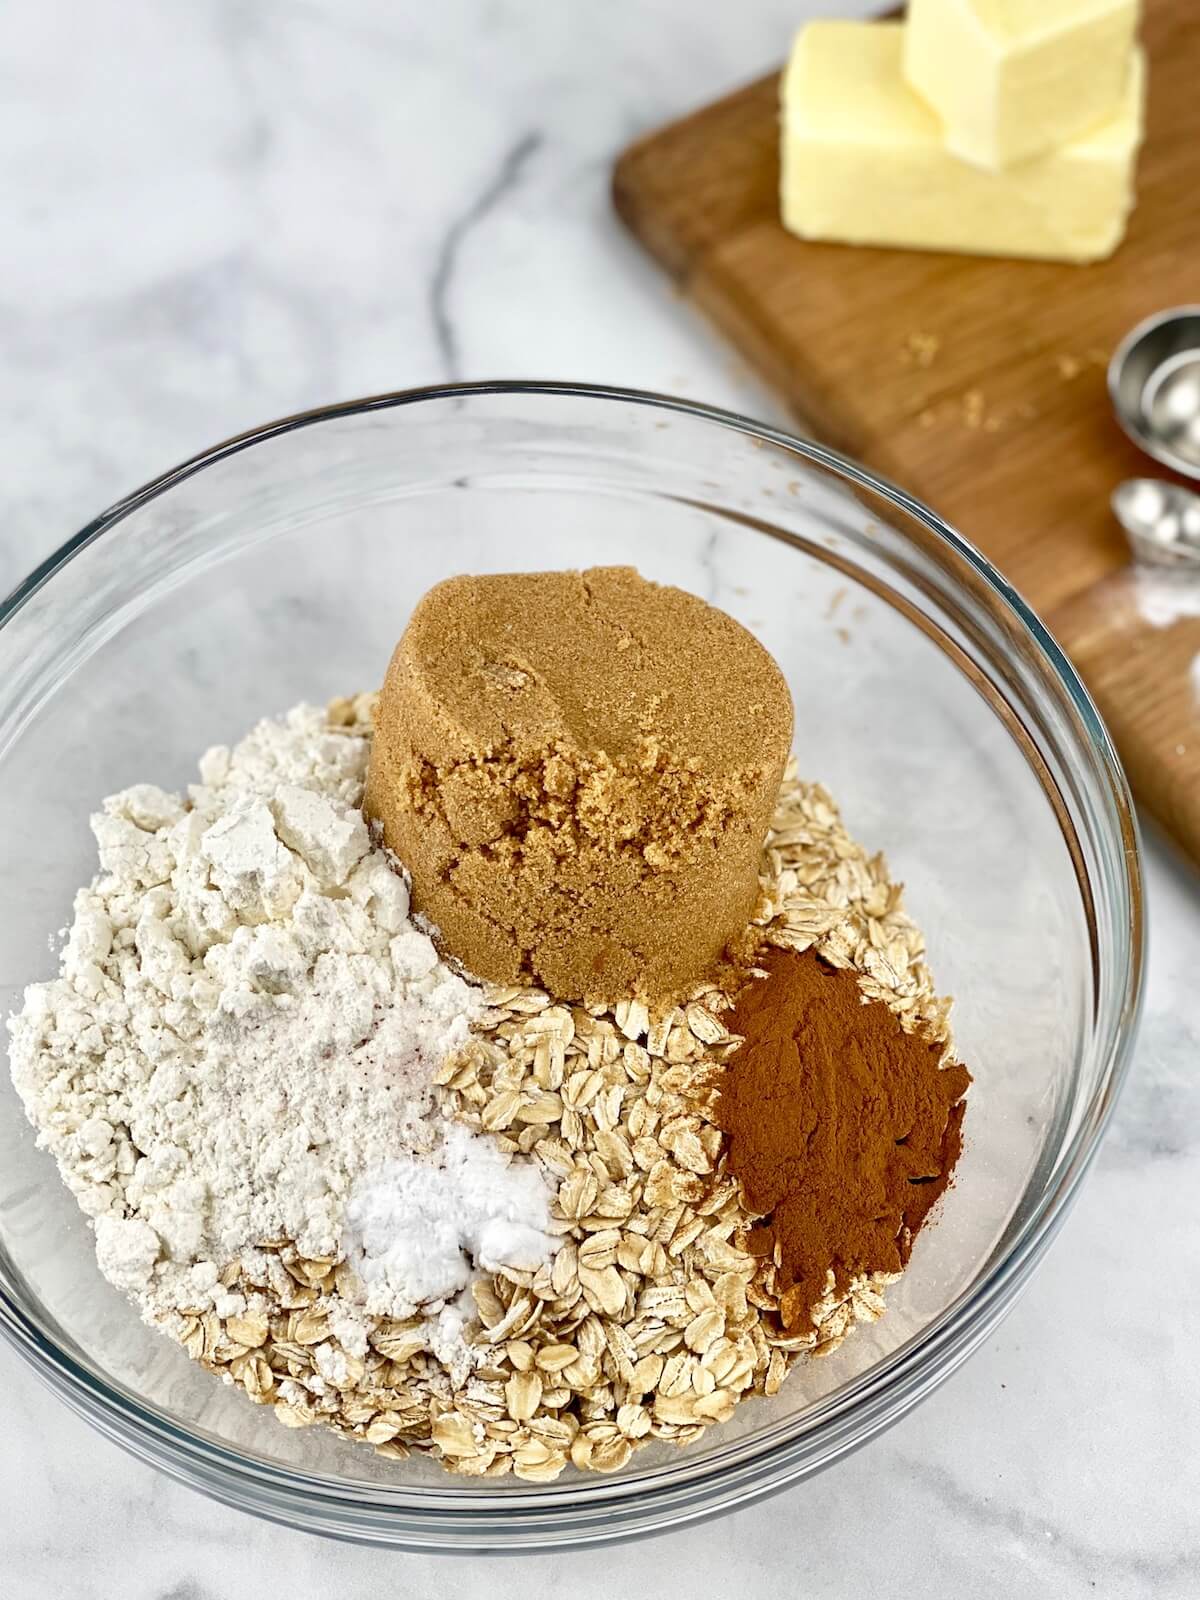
843 1129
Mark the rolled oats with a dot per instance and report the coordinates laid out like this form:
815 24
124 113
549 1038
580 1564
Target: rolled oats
652 1320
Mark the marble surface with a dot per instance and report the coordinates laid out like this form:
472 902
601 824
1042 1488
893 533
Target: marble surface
225 211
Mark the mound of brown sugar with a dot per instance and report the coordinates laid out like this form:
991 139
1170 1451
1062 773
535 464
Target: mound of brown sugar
578 769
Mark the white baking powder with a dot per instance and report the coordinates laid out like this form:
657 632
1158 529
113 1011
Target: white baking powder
415 1225
242 1042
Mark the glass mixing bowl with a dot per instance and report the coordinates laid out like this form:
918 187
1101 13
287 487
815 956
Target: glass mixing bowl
946 722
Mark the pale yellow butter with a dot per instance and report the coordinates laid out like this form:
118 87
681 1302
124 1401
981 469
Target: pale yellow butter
864 162
1011 79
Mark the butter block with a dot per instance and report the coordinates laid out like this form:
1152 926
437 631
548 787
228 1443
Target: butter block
864 162
1011 79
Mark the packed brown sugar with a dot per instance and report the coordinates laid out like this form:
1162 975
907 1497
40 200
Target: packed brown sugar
578 770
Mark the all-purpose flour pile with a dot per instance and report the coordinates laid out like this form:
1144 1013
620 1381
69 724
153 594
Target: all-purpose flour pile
242 1046
521 1223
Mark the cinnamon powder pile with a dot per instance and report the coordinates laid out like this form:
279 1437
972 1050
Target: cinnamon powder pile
843 1129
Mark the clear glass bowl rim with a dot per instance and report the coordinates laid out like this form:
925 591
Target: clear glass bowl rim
622 1508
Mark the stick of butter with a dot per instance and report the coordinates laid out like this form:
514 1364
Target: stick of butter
1011 79
864 163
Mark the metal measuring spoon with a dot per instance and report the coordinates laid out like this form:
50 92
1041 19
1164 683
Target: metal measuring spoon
1154 383
1161 521
1171 405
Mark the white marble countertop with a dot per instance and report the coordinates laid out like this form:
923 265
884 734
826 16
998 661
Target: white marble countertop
220 212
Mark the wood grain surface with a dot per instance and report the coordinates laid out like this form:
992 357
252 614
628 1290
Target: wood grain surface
978 384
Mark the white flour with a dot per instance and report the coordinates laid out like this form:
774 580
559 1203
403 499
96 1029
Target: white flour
244 1035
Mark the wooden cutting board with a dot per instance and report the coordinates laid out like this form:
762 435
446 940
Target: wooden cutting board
979 385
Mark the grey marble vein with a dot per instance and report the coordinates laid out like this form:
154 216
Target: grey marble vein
992 1519
505 178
